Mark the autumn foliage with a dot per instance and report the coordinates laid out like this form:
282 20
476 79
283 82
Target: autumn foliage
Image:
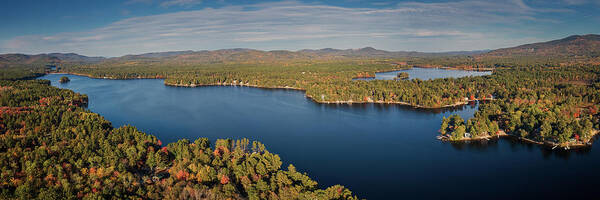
56 149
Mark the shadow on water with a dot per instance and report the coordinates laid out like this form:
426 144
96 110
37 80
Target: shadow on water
475 146
516 145
387 106
564 154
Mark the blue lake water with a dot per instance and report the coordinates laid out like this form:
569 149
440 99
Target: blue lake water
378 151
426 74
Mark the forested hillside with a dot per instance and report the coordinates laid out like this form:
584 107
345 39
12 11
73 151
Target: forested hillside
7 60
572 46
576 49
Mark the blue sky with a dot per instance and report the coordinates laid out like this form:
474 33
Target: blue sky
116 28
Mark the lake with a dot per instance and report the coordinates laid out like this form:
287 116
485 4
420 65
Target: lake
378 151
426 74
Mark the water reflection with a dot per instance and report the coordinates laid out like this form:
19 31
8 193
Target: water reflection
426 74
387 106
477 145
517 145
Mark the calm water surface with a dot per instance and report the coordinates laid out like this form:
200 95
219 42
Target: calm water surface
426 74
378 151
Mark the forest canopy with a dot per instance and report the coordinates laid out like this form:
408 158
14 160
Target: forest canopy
51 147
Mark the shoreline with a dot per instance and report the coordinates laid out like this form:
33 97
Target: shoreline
480 138
383 71
456 68
546 143
105 77
232 84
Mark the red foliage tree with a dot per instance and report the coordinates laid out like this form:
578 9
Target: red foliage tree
224 179
182 175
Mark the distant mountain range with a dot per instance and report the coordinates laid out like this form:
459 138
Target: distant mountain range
587 46
572 46
157 54
228 55
9 59
73 57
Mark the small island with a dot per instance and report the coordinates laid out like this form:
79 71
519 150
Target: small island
401 76
64 79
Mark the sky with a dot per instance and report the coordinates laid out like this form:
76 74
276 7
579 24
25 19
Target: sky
120 27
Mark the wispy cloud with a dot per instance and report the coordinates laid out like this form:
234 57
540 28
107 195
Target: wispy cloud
180 3
577 2
128 2
463 25
166 3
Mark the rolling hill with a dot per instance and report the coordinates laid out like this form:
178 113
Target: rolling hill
572 46
7 60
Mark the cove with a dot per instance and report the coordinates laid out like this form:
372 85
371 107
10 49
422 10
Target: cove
377 151
427 73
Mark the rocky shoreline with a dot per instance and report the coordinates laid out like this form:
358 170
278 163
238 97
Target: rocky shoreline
479 138
502 134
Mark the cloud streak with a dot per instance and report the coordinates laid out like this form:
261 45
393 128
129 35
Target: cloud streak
170 3
463 25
